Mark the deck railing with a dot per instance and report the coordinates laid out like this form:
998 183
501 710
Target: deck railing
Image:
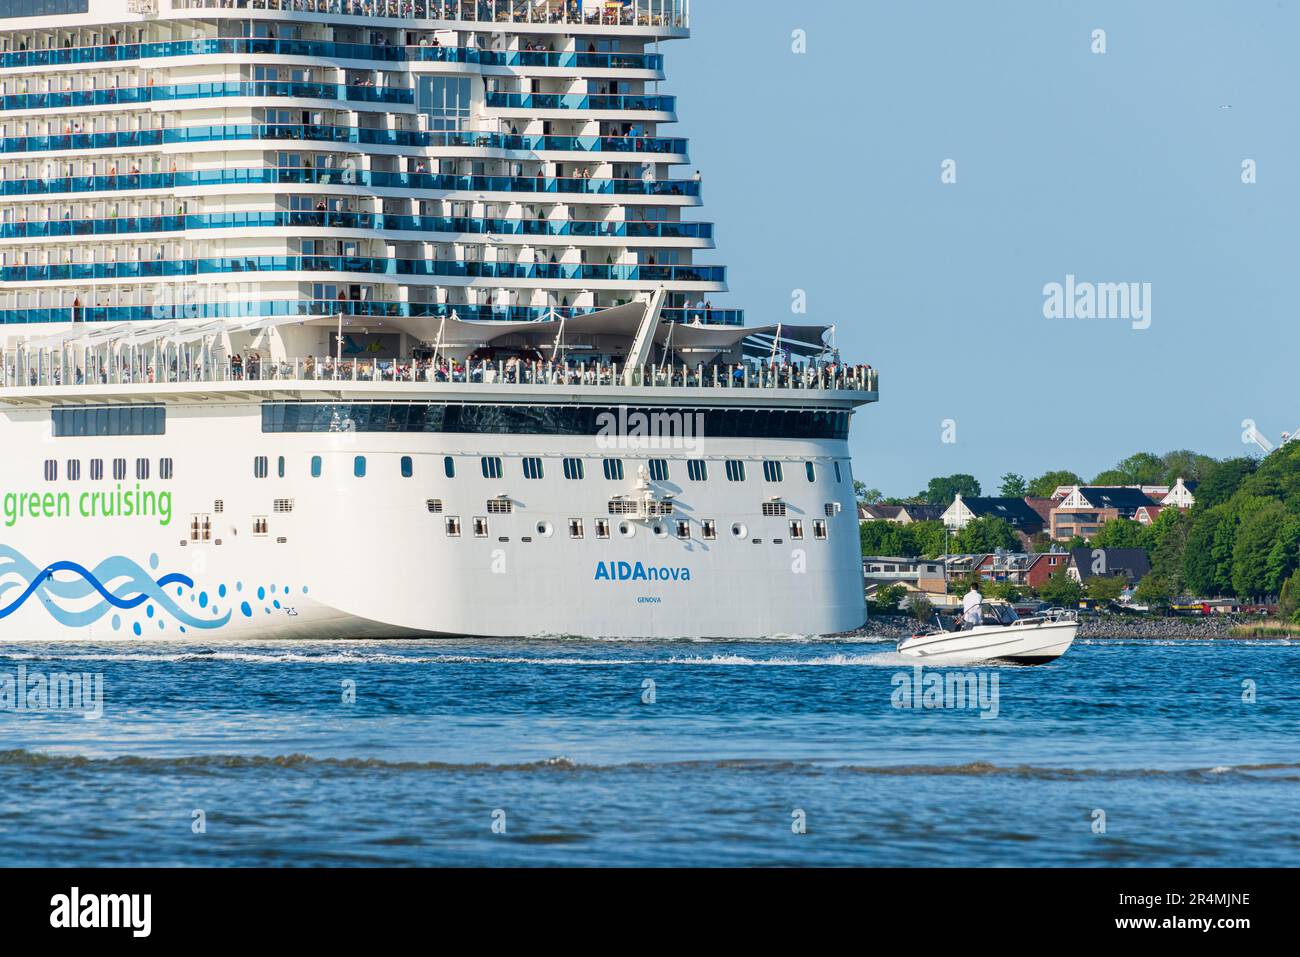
143 365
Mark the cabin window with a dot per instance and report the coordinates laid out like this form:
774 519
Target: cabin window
453 526
684 530
449 467
839 477
142 469
614 470
315 466
51 470
96 470
359 466
480 527
602 528
796 530
74 470
709 530
533 469
819 529
811 470
259 466
772 472
119 469
735 470
574 470
659 470
408 466
697 470
165 469
575 528
491 467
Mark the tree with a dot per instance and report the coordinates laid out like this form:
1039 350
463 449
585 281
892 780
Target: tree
1168 547
888 538
921 607
1256 535
942 491
1185 464
1111 477
1120 533
1143 468
1154 592
864 495
987 534
1049 482
1104 588
1199 568
1061 589
886 600
1288 605
1221 481
1005 591
1013 486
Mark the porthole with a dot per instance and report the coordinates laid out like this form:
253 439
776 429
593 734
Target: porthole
739 530
545 529
626 529
660 531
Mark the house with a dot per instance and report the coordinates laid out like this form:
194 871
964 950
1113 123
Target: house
1088 507
1030 570
1131 564
1148 514
899 514
1015 511
1181 496
914 574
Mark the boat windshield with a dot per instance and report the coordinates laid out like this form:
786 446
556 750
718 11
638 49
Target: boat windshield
1001 614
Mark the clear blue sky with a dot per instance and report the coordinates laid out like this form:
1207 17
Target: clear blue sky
823 173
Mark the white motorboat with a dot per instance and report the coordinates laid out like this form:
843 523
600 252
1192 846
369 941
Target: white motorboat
1000 635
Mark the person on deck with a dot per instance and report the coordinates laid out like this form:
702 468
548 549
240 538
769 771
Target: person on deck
970 606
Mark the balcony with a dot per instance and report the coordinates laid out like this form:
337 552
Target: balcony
453 225
453 268
361 136
581 101
673 14
201 91
431 182
333 307
318 49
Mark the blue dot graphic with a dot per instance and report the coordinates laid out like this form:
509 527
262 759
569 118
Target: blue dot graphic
304 589
148 611
276 603
136 629
221 591
272 589
203 599
239 586
248 612
117 622
153 561
261 594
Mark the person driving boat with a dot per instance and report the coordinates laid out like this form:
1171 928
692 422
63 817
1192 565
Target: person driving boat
970 606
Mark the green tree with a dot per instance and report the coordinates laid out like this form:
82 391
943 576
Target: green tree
1154 592
1221 481
864 495
1256 535
1120 533
1061 589
1198 562
1105 588
886 600
930 538
1288 605
921 607
1284 557
1049 482
1007 591
1013 486
1185 464
986 534
1143 468
1168 547
888 539
1111 477
943 490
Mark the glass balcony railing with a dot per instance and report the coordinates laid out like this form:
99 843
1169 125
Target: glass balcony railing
322 49
201 91
454 268
580 101
432 182
131 139
613 13
307 308
452 225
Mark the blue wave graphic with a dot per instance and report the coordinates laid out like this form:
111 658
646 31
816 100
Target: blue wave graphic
120 582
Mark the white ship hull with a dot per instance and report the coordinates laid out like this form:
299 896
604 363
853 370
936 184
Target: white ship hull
364 557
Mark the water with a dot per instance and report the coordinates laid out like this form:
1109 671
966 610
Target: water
740 737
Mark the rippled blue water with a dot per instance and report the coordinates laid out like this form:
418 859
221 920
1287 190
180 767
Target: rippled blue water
558 738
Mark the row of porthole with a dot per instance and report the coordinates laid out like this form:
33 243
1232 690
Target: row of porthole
577 529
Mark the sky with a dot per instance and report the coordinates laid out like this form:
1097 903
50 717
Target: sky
823 171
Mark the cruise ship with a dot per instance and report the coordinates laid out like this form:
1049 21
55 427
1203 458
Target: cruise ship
391 318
